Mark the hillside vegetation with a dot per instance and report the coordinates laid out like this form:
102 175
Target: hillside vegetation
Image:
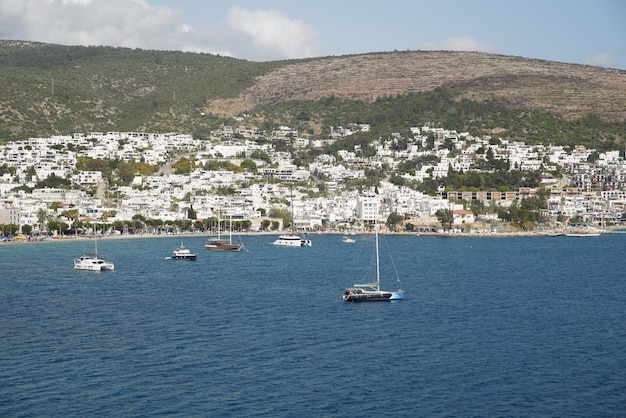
51 89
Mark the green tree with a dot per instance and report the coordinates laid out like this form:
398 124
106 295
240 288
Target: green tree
524 214
54 182
58 226
260 155
191 213
126 172
183 166
119 226
249 165
30 173
397 180
282 214
70 214
394 220
445 217
593 157
42 216
10 229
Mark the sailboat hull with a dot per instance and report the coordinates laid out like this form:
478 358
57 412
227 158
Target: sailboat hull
92 263
219 245
371 292
361 295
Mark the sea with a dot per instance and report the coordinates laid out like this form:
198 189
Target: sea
489 327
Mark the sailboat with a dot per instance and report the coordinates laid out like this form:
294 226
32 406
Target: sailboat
292 240
90 261
219 244
370 292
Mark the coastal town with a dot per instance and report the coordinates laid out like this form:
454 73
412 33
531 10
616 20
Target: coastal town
257 179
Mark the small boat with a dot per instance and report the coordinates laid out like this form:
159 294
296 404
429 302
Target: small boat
292 241
371 292
348 240
183 253
91 262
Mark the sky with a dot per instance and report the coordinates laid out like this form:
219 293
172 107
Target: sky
573 31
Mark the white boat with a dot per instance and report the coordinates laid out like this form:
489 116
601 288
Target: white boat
292 240
370 292
219 244
91 262
348 240
183 253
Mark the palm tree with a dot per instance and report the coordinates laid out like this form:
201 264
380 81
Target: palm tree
42 216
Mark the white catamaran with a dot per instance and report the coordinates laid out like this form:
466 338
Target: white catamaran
292 240
90 261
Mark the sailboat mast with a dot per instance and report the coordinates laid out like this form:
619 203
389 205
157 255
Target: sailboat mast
219 223
95 239
377 261
293 221
230 226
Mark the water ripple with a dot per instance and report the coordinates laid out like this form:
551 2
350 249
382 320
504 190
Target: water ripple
489 327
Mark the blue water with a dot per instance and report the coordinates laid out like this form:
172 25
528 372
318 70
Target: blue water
507 327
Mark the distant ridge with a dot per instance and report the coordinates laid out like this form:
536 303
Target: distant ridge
569 90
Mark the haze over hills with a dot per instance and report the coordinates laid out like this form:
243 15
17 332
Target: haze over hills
52 89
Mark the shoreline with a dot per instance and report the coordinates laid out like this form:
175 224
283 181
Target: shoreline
546 233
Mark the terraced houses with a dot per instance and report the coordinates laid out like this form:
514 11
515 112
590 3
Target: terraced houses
593 191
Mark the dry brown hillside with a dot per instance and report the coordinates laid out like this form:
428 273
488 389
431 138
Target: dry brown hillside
569 90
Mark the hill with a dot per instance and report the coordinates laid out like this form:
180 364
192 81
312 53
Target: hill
568 90
52 89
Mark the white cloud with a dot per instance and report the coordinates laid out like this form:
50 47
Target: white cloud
126 23
601 60
253 34
275 32
84 22
462 43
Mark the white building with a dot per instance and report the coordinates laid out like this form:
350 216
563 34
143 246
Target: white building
367 208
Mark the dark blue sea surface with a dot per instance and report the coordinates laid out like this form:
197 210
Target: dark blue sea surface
489 327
